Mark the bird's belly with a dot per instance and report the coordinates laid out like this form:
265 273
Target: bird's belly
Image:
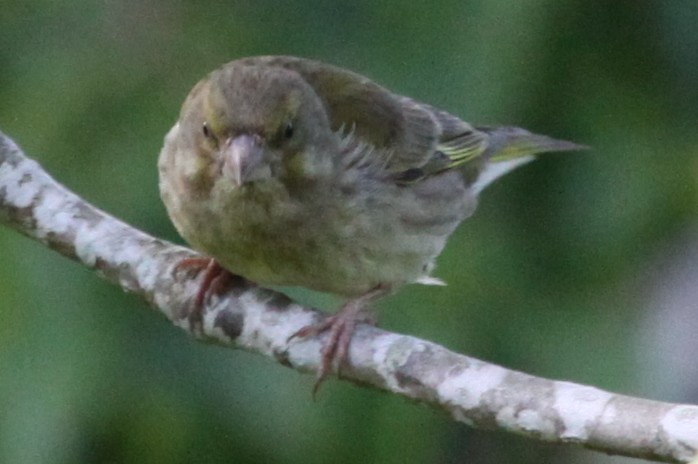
325 242
342 267
322 257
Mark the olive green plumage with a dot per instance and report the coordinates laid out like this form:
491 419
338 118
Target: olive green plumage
294 172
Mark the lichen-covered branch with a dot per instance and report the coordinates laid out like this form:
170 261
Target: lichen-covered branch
259 320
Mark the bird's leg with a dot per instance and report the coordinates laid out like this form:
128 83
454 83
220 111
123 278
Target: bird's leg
215 278
341 329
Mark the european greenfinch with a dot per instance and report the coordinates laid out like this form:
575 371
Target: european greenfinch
292 172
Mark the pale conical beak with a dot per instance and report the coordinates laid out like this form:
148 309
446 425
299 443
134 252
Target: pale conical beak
241 156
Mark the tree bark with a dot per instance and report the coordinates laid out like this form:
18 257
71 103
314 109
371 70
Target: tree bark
261 321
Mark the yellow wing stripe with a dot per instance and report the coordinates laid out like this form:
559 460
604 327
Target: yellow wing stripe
464 148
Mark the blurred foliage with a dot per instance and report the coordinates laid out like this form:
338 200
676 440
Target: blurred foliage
543 278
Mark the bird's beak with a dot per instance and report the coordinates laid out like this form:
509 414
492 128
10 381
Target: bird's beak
241 156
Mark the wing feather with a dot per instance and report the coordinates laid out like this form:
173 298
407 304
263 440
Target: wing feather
407 139
399 128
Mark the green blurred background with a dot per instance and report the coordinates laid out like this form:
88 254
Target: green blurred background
560 273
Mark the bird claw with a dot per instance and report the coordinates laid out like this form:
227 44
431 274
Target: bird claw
335 348
214 280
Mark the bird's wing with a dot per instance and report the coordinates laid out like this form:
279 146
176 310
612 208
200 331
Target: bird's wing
475 148
459 141
408 139
398 129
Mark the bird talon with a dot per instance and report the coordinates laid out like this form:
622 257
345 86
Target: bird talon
335 348
312 330
213 281
196 264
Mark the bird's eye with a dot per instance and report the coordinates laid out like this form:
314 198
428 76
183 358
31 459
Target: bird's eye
207 131
288 130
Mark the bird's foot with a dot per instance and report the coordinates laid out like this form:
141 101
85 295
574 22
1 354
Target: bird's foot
341 330
214 280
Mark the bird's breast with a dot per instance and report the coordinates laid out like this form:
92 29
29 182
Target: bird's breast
342 238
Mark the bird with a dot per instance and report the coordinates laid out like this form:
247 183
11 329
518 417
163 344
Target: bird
288 171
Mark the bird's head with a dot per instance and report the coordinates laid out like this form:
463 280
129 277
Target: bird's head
250 123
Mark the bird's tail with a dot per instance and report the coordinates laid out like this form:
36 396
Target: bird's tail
508 143
511 147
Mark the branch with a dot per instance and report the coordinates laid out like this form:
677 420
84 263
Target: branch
259 320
